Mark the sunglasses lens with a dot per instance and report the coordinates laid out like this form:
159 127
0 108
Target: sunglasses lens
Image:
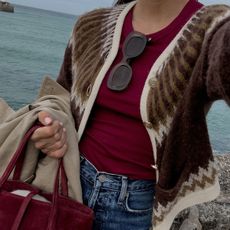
135 45
120 77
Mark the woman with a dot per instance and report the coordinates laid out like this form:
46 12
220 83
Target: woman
141 76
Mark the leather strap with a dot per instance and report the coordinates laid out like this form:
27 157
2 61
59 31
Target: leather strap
53 212
17 154
17 157
60 181
22 210
64 186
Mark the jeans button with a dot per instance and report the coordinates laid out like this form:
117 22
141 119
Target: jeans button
102 178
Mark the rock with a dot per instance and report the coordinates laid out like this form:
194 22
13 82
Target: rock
213 215
190 225
192 222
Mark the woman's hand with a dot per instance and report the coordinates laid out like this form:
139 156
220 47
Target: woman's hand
51 138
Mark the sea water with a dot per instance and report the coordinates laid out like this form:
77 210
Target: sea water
32 44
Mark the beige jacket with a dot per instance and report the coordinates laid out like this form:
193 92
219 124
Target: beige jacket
14 124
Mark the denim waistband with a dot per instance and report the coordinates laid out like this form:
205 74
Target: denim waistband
113 181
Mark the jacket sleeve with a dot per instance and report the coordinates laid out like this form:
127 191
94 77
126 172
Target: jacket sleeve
65 74
218 74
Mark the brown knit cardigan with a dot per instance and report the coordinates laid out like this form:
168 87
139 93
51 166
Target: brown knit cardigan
191 73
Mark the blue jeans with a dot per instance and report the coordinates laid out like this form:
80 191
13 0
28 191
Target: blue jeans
118 202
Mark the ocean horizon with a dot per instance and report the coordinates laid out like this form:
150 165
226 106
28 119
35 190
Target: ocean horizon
48 11
32 45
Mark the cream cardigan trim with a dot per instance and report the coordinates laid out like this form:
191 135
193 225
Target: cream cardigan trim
104 69
198 196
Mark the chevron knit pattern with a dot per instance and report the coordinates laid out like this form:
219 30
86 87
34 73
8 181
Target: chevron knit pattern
203 179
91 42
168 85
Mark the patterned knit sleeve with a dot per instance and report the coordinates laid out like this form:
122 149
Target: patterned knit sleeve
218 74
65 74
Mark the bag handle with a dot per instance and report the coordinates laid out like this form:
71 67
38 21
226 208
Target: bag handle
17 154
20 151
60 181
54 207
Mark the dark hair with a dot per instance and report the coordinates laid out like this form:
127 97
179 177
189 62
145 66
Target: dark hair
119 2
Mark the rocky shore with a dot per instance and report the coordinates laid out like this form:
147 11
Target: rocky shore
213 215
6 6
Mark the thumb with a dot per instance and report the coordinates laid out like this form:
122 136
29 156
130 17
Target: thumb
45 118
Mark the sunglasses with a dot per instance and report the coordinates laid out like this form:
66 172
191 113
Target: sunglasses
121 73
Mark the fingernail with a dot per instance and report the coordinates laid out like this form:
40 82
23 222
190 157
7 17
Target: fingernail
61 124
64 129
48 120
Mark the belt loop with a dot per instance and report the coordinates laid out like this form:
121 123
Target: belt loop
123 192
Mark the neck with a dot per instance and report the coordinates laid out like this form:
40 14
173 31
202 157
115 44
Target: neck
150 16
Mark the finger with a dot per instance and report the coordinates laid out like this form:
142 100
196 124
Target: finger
47 132
45 118
42 141
58 153
45 143
53 145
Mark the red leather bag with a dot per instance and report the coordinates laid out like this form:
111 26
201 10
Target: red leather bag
55 211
